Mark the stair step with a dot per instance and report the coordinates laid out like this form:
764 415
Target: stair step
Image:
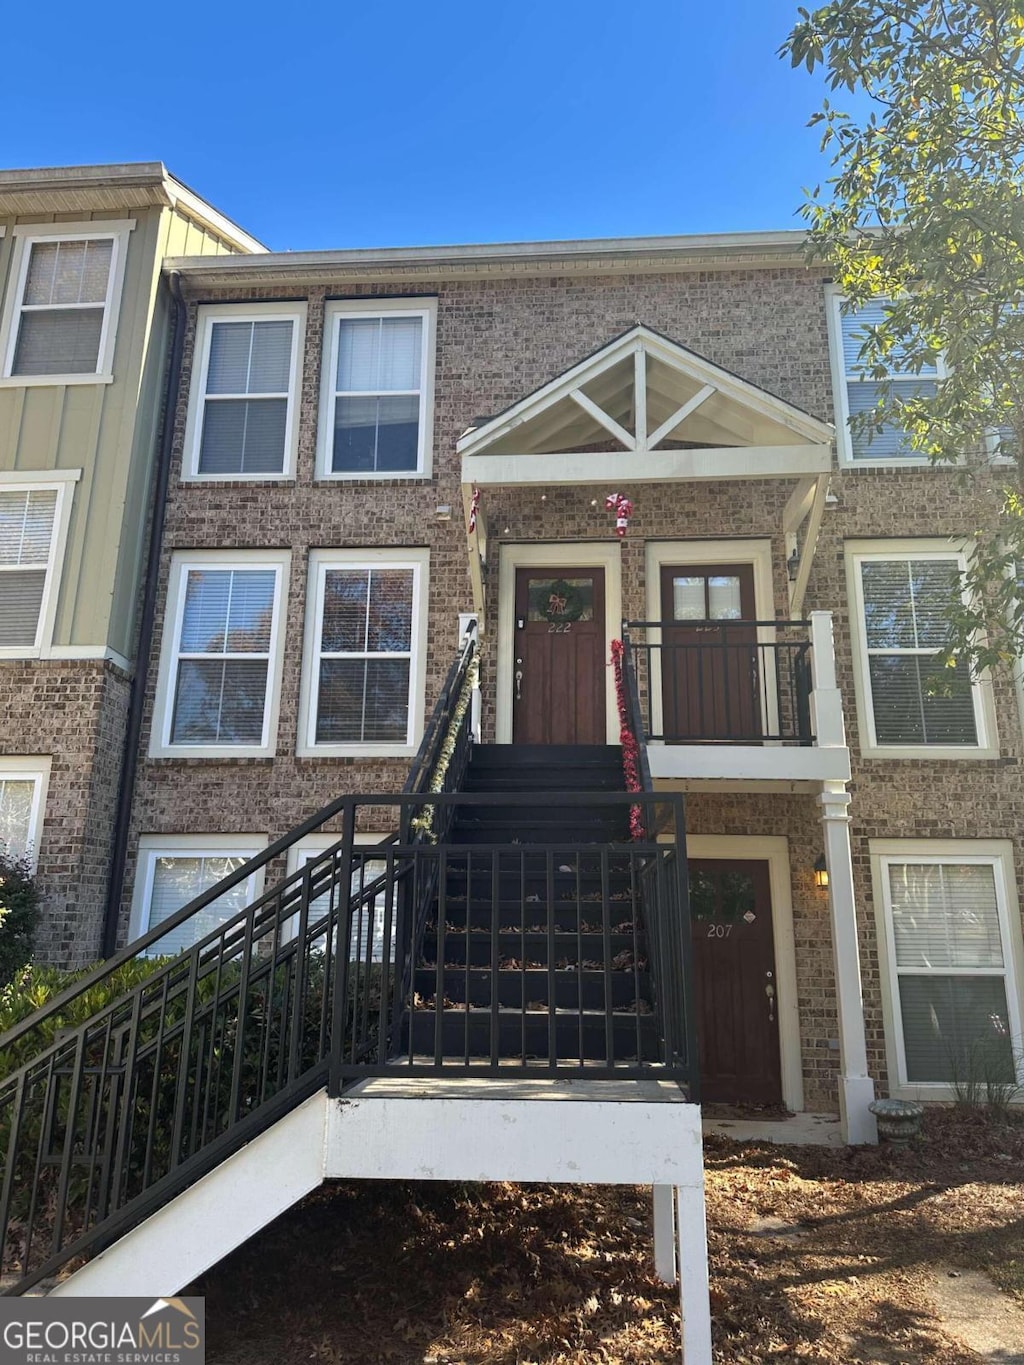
575 1035
514 988
545 755
516 944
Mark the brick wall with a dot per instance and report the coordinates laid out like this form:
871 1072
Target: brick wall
74 711
498 340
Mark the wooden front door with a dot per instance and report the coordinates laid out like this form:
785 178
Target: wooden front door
558 693
710 673
735 984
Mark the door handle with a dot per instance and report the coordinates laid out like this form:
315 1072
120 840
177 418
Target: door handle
519 679
769 991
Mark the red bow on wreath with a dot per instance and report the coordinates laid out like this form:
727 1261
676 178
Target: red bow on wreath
623 509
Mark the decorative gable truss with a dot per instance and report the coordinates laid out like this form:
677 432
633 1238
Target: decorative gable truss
644 410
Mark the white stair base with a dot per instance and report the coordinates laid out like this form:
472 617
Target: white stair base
562 1132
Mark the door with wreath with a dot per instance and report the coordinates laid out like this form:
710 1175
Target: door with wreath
558 683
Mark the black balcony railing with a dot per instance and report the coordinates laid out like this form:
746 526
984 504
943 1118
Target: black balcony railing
722 682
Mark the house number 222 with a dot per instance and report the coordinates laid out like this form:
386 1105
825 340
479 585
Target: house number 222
560 628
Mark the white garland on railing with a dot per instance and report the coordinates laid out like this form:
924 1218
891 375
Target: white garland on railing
424 822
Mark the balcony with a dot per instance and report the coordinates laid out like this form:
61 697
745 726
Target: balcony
739 703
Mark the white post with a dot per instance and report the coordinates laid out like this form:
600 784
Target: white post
694 1292
829 728
856 1088
665 1234
469 625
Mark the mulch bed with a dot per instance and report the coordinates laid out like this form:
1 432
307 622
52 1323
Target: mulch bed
817 1254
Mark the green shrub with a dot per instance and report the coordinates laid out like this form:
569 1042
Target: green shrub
19 914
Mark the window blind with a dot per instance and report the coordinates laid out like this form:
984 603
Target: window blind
16 796
62 310
950 966
223 656
914 699
26 531
365 656
863 395
178 879
248 383
367 919
377 396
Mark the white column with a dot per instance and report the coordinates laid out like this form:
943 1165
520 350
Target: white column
856 1089
665 1234
829 728
694 1294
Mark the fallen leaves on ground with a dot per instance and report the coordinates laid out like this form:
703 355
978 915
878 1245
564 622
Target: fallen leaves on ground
817 1255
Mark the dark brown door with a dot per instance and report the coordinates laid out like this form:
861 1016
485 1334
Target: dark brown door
710 675
734 982
558 657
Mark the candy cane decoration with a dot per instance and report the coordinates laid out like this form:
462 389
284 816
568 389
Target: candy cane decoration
623 509
473 506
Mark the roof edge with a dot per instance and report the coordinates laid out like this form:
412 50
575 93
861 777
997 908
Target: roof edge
757 248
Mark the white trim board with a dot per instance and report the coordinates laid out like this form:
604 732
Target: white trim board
775 852
559 554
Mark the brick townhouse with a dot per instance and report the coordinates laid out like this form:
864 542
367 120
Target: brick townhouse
484 556
343 415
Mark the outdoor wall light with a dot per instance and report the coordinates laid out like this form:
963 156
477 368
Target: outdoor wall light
821 872
444 512
792 565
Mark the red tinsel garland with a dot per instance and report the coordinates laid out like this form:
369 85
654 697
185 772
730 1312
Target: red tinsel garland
630 747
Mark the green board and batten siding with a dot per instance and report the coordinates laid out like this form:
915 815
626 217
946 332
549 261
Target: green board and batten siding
109 431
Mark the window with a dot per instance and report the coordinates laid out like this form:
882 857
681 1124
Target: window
367 918
23 784
174 869
364 659
376 410
62 320
242 408
856 393
220 665
909 700
953 994
33 527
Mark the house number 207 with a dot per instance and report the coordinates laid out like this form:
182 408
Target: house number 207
560 628
719 930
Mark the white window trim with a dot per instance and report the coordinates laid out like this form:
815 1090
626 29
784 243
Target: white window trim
182 562
319 562
34 769
994 853
375 308
59 482
154 846
25 234
856 553
834 299
209 314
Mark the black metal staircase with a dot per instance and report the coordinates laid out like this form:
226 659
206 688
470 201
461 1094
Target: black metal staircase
510 923
565 971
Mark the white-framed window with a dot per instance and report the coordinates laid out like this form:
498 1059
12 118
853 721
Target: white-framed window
242 404
34 515
173 869
950 933
369 917
376 411
908 704
364 657
219 681
23 783
854 392
60 321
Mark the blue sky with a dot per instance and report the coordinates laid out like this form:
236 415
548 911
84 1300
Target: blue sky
345 124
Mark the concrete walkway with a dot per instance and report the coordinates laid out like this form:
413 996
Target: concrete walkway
800 1130
974 1311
